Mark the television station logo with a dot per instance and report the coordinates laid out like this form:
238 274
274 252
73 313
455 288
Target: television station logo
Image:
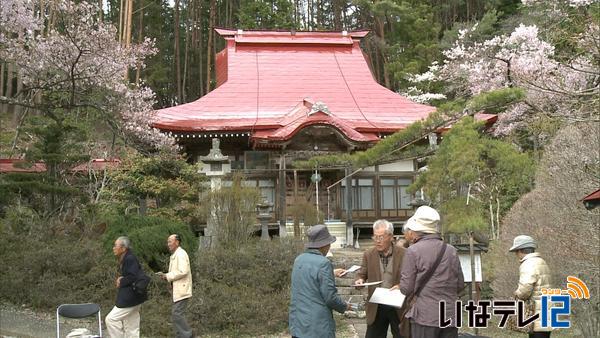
554 312
558 301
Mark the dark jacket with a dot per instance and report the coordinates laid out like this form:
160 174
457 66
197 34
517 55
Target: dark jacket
130 270
314 295
370 272
445 283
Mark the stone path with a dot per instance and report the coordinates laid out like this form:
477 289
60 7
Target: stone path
345 258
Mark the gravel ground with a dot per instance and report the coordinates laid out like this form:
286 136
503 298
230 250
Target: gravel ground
24 323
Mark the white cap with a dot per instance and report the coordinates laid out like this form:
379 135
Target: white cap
424 220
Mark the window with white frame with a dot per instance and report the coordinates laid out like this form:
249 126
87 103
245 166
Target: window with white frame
394 193
405 197
362 194
389 194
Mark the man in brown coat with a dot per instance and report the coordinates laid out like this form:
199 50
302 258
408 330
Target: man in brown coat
382 263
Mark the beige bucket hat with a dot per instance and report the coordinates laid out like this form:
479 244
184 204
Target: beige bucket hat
522 242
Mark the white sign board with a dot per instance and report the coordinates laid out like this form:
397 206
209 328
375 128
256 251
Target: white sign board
465 264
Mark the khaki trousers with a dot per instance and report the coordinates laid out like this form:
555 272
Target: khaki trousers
123 322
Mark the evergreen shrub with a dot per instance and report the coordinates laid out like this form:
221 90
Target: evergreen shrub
148 236
45 273
243 290
239 290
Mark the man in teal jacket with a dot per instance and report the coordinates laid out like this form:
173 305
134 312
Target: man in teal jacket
314 294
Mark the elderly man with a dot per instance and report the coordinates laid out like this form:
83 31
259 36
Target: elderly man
124 319
180 276
382 263
430 273
314 294
534 275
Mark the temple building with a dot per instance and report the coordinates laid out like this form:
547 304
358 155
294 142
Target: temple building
285 96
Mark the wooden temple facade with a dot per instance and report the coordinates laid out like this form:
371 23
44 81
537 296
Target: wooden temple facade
285 96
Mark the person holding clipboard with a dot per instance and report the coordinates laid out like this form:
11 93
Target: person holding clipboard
381 267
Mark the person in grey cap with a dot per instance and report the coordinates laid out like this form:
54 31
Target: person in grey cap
534 275
430 273
314 294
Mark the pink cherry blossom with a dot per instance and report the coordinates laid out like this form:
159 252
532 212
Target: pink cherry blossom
565 88
80 59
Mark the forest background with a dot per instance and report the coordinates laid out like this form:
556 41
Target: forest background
79 80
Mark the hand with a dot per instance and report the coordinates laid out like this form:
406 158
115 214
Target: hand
359 281
348 307
395 287
118 282
162 275
339 272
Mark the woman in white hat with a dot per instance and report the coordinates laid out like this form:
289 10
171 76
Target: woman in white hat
534 275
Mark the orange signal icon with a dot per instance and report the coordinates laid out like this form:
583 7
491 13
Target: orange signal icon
577 288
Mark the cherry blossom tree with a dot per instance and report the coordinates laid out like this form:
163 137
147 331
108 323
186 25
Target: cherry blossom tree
561 83
75 68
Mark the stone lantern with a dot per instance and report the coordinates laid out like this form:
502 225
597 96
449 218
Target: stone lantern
264 216
215 167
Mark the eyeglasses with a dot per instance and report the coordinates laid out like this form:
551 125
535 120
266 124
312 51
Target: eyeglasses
379 238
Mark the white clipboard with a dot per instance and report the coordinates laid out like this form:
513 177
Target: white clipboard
389 297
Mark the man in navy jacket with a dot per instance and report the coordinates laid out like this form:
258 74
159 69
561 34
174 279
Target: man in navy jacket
124 319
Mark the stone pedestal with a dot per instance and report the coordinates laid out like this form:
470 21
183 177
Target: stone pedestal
264 216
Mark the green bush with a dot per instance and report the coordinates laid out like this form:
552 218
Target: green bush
148 236
243 290
46 273
238 290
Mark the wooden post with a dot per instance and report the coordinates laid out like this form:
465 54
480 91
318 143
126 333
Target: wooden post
349 229
297 233
282 193
473 286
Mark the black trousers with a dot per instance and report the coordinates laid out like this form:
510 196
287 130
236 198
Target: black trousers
539 335
422 331
386 316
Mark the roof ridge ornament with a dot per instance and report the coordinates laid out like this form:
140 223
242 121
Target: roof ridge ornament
319 106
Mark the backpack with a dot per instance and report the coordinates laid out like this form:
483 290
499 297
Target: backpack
140 285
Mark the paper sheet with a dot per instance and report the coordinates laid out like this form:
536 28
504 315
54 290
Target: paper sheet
385 296
369 283
351 269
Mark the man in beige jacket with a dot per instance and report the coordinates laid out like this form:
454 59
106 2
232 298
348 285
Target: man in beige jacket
534 275
180 276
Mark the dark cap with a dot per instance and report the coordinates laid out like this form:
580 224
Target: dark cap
318 237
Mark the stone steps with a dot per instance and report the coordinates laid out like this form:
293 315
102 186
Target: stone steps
345 258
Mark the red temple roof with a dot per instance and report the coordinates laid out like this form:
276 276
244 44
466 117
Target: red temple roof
272 84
